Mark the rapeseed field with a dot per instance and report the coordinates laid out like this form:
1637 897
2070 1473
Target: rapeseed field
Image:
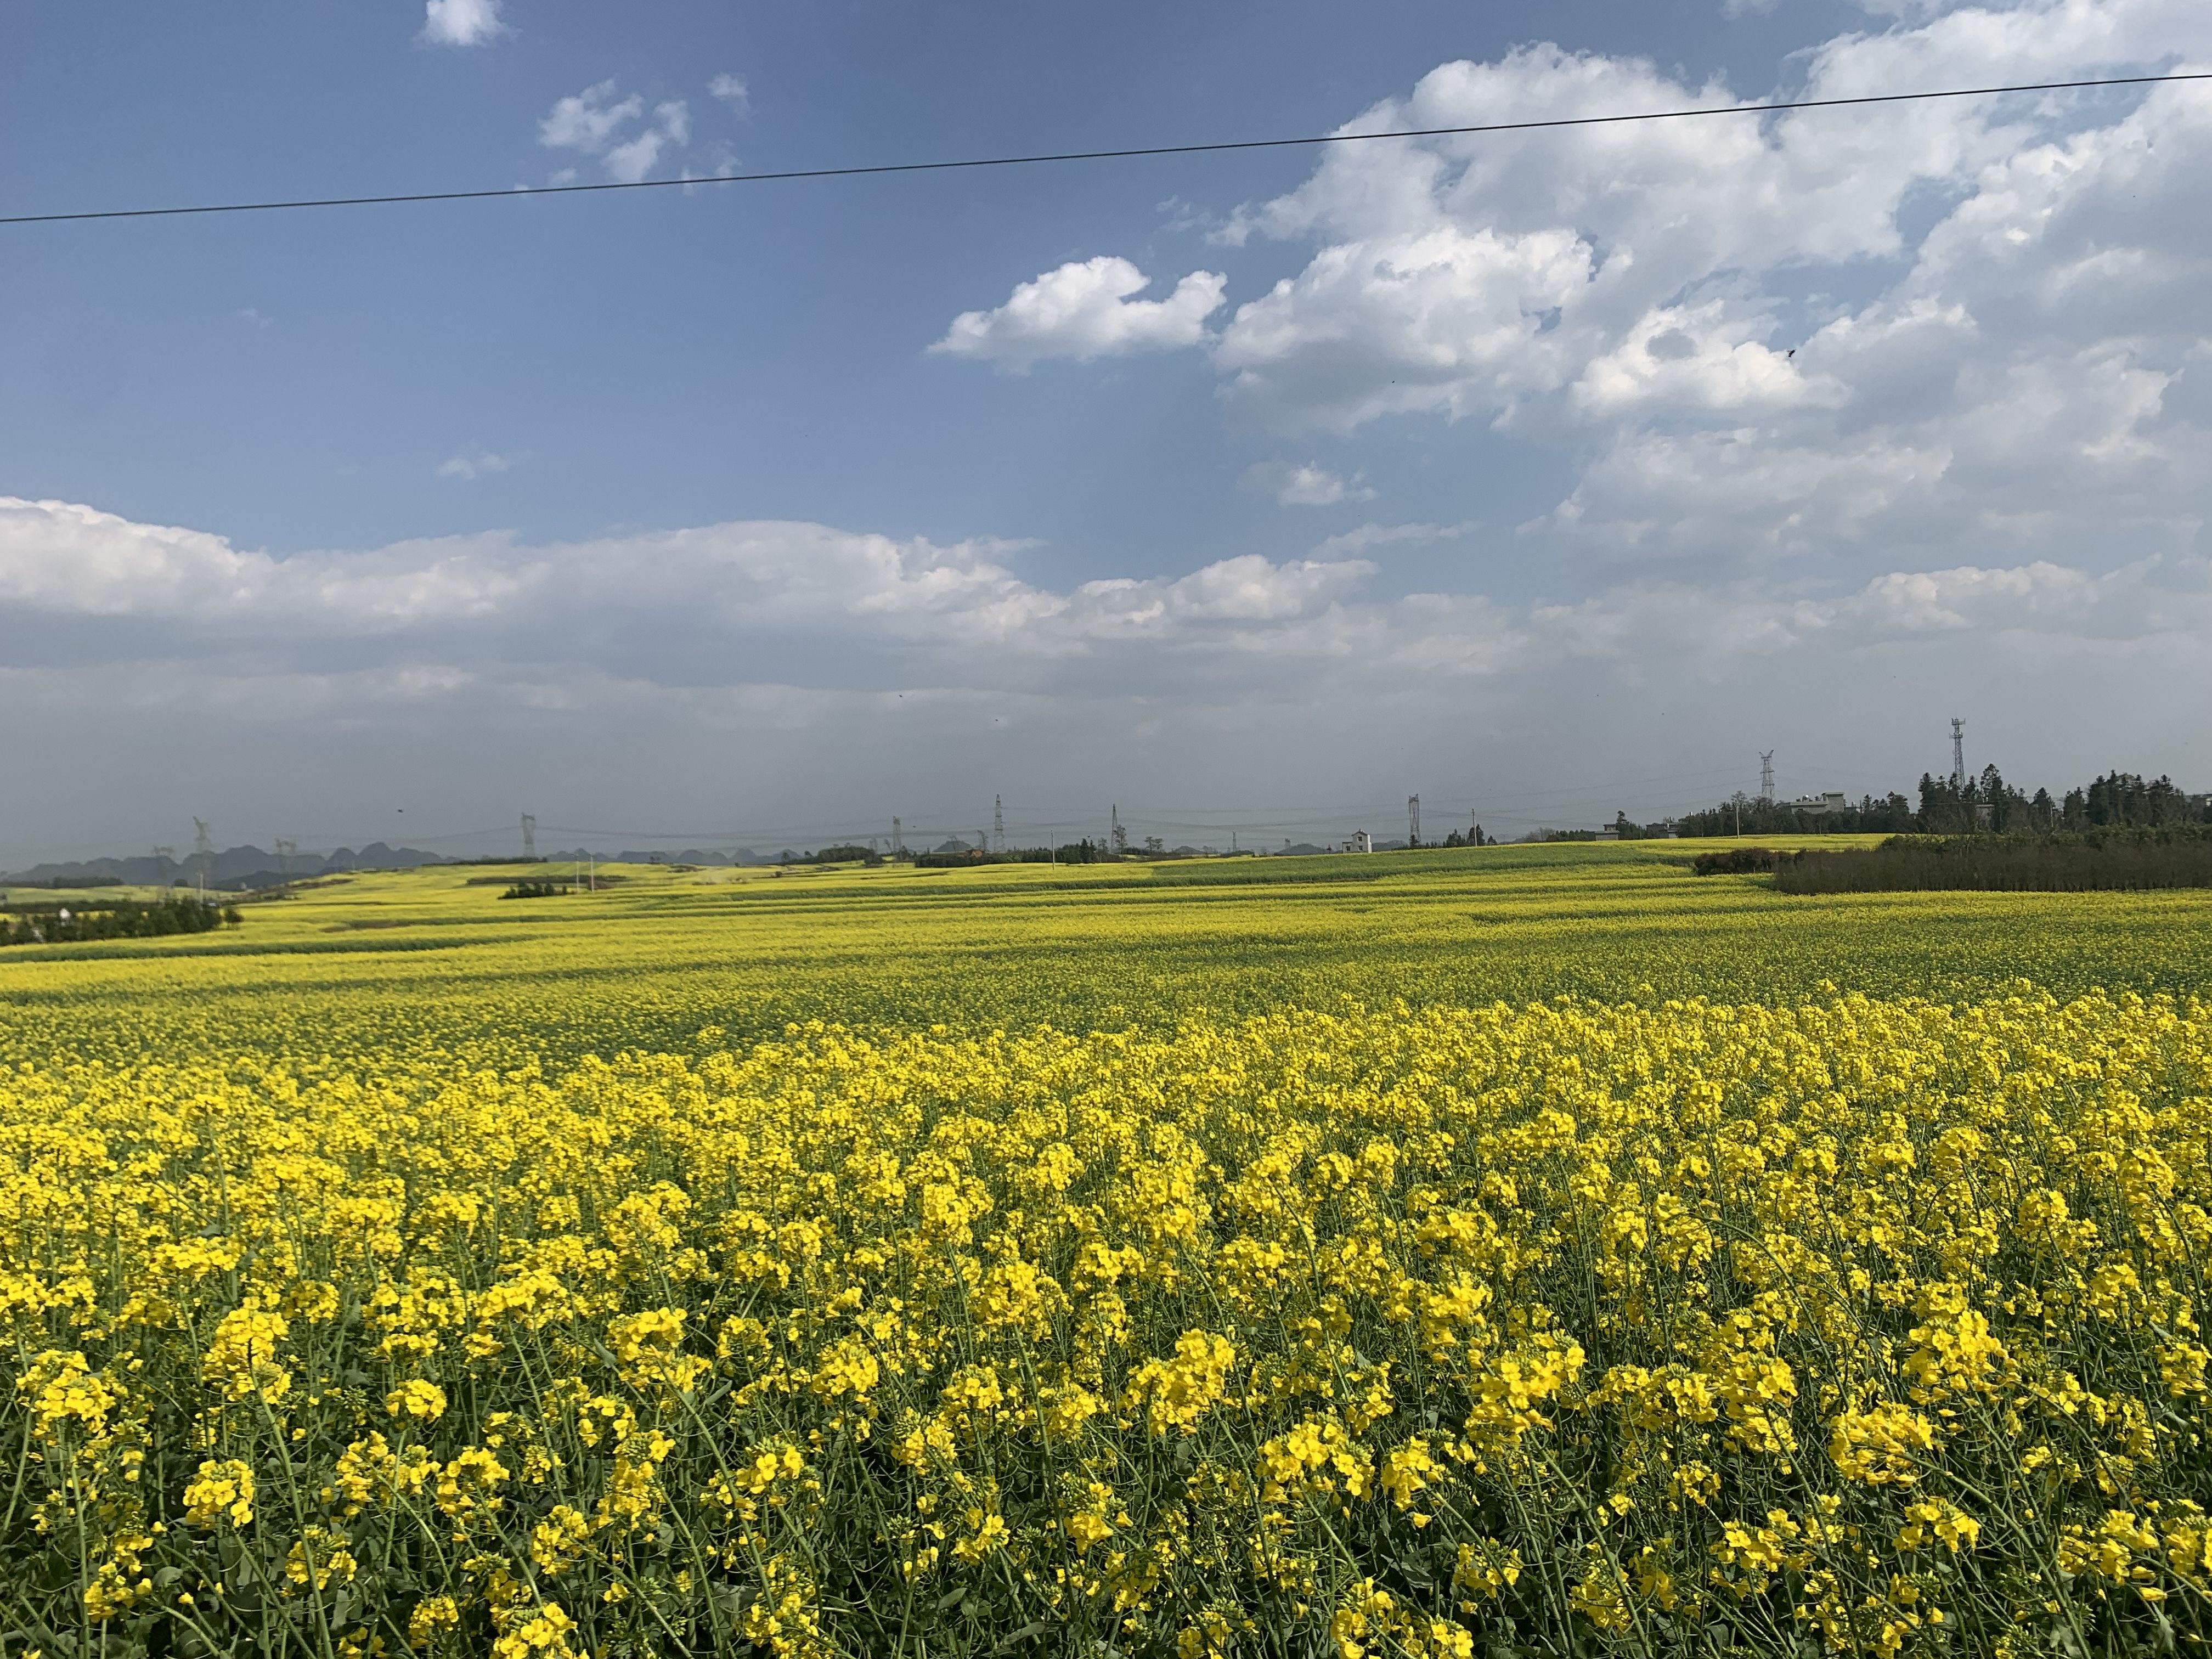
1404 1256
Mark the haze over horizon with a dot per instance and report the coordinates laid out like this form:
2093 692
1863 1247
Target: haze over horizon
1540 473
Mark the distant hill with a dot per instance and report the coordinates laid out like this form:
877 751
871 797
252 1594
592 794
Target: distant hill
235 869
713 855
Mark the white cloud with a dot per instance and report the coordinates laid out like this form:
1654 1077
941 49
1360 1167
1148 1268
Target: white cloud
594 121
860 673
1294 485
653 602
1694 358
1368 537
465 466
2039 610
1083 310
634 159
1916 403
64 559
1457 317
1957 599
59 557
2017 374
1245 590
461 22
1958 334
731 89
1580 280
589 120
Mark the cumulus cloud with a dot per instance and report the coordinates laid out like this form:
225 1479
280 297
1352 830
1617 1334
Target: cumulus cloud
731 89
1084 310
869 672
1963 330
1960 334
1303 484
1696 359
1369 536
1955 599
465 466
589 120
1916 403
1458 315
598 123
64 559
666 597
2038 613
461 22
634 159
1554 277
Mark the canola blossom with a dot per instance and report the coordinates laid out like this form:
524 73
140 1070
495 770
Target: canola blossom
1850 1324
370 972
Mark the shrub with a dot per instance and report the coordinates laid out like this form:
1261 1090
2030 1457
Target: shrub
528 890
1736 861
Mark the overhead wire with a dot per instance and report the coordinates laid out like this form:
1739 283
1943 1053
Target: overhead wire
1129 153
1135 152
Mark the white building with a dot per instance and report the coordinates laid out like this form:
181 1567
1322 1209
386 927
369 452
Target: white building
1361 842
1831 801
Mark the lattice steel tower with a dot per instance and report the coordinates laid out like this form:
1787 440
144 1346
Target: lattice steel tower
1412 820
1767 774
1958 753
997 823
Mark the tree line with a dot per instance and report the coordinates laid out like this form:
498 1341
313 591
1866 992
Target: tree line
2115 859
1073 851
62 924
1986 803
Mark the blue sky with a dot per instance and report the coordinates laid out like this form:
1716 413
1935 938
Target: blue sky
1258 488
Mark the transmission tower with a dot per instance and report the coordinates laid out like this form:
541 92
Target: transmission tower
1767 774
1412 820
204 852
997 823
898 842
529 838
163 857
1958 753
284 851
1121 836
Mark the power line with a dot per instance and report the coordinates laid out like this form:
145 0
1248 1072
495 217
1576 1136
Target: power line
973 163
1255 816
